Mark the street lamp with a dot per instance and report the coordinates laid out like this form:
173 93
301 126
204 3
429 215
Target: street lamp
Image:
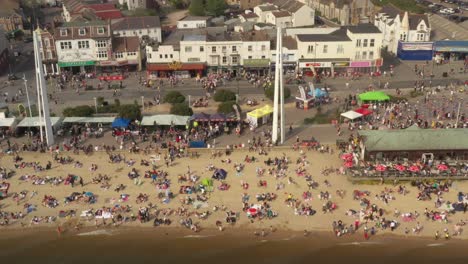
237 95
143 102
27 94
95 104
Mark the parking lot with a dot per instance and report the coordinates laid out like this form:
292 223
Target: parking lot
453 10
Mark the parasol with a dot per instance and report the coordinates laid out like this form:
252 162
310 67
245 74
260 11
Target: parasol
414 168
347 156
400 167
380 167
442 167
348 164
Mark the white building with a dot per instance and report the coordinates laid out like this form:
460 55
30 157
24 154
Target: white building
134 4
289 13
149 26
397 25
346 49
193 22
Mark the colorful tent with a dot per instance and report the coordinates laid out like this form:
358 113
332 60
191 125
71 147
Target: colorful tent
120 122
374 96
261 112
200 117
351 115
363 111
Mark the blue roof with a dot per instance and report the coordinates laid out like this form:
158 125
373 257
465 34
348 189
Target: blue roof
451 45
120 122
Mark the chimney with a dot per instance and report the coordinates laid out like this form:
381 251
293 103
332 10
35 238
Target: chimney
405 21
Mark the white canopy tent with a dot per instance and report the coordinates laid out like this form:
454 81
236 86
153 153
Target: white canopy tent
351 115
34 121
165 120
89 120
7 122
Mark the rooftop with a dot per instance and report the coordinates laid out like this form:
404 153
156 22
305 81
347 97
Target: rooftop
337 35
137 23
281 14
126 44
249 15
267 7
363 29
195 18
84 23
412 139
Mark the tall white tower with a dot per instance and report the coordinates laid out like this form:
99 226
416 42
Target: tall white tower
278 98
45 125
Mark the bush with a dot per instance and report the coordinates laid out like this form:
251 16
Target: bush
227 107
415 94
78 111
181 109
269 92
224 96
174 97
130 111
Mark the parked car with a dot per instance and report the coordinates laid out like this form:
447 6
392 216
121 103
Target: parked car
447 11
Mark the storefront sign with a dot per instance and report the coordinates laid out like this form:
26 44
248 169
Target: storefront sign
341 64
108 63
315 64
76 63
417 46
451 46
360 64
379 62
111 78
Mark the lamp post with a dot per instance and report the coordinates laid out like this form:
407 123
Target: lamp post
189 100
27 94
143 102
237 95
95 104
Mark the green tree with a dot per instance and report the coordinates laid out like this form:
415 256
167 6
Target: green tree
181 109
269 92
223 95
78 111
227 107
130 111
179 4
197 8
174 97
215 7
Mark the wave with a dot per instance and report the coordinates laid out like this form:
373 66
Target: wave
196 236
360 243
96 233
435 245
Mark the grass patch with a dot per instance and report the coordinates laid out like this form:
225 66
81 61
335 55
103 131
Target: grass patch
396 99
405 5
323 117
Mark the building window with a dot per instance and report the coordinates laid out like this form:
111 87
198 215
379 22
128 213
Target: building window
213 49
234 48
372 43
149 56
65 45
101 43
47 42
358 43
421 27
340 49
249 57
310 49
358 55
263 57
49 54
371 55
249 48
160 56
325 48
263 47
170 55
202 49
224 59
364 55
403 37
118 55
420 37
165 56
100 30
224 48
188 49
102 54
193 59
82 31
365 43
235 60
185 25
214 60
131 53
84 44
63 32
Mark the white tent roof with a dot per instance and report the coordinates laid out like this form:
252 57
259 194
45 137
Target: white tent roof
165 120
34 121
7 122
89 119
351 115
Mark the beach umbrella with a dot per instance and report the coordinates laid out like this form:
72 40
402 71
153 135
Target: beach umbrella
400 167
348 164
380 167
347 156
252 211
414 168
442 167
89 194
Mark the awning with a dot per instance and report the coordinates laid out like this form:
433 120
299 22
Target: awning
165 120
351 115
7 122
89 119
256 63
76 63
34 121
363 111
171 66
261 112
451 46
374 96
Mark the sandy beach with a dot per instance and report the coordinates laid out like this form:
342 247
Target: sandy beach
228 200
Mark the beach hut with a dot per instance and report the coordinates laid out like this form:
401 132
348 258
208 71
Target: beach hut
260 116
372 96
219 174
120 123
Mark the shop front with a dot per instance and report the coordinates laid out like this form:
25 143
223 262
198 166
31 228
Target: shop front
260 67
450 50
288 67
182 70
415 51
365 66
327 67
122 66
78 66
